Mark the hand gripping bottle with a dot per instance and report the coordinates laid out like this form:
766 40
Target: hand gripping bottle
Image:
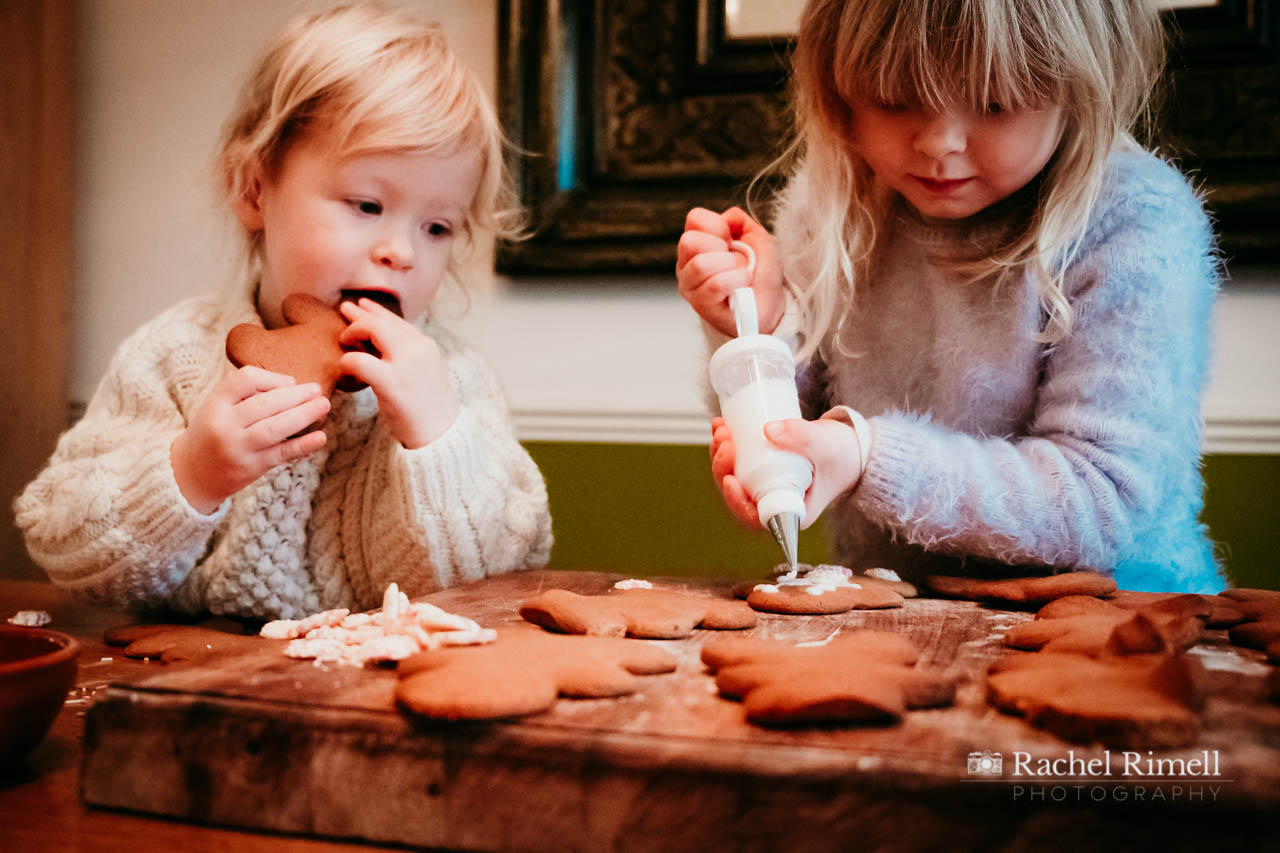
754 377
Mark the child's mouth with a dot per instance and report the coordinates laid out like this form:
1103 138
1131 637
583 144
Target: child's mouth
387 300
942 187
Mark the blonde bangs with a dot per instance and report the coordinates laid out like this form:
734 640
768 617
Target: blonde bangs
941 54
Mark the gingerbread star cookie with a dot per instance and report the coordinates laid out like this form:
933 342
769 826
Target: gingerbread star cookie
658 614
522 672
863 676
1026 590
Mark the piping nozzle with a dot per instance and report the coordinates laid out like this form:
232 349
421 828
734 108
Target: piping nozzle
785 527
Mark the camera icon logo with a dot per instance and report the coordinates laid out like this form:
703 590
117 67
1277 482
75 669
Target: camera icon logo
986 763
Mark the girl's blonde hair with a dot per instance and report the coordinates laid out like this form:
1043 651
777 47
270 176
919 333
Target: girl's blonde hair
374 79
1099 59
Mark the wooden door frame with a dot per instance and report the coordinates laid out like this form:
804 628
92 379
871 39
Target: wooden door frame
37 148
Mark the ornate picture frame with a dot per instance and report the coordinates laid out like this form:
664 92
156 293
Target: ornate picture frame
626 113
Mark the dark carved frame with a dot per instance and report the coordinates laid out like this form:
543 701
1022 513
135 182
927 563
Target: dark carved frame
625 113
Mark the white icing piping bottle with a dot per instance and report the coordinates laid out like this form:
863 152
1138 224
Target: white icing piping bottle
754 377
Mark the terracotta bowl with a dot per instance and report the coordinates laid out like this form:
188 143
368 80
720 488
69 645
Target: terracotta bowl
37 668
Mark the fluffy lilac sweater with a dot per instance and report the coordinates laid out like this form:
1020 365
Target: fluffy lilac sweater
994 450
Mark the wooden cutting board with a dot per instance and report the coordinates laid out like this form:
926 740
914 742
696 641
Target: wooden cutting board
262 741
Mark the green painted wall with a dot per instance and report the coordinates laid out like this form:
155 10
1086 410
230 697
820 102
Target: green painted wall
653 510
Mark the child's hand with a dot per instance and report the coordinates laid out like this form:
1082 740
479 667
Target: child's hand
708 272
830 445
241 431
410 378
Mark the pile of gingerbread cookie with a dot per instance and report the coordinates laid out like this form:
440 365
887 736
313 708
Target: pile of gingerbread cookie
1095 664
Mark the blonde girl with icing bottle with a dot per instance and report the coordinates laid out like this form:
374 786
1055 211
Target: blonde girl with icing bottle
998 300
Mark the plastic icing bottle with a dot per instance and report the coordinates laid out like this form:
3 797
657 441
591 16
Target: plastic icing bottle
754 377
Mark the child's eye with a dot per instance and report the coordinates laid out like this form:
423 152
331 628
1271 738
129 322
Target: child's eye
438 229
369 208
994 109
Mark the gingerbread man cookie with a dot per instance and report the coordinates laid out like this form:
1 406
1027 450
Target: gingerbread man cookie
308 348
173 643
522 672
815 590
1026 590
1133 701
860 676
657 614
1089 625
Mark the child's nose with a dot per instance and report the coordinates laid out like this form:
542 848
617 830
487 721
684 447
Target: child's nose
394 250
942 134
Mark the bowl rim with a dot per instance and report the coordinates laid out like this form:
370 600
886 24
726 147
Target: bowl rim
68 649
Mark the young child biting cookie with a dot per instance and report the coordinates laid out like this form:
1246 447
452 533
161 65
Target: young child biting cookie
362 156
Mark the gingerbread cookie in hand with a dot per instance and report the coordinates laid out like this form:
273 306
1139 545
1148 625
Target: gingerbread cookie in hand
307 349
522 672
860 676
655 614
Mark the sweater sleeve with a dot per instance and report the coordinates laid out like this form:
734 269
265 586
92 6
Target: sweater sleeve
470 504
1117 419
105 517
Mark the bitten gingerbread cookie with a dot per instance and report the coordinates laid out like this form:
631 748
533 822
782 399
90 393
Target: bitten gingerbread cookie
819 590
522 672
1135 701
864 676
1028 590
658 614
308 348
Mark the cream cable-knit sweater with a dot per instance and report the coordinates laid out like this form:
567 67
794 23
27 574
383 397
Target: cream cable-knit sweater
106 519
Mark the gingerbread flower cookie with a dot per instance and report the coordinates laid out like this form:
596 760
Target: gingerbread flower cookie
1022 591
819 590
522 672
863 676
635 611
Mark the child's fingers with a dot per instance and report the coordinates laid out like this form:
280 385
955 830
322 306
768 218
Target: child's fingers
739 502
298 447
264 404
694 243
274 430
712 276
708 221
724 458
246 381
365 367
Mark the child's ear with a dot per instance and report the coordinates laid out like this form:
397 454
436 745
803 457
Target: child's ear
248 204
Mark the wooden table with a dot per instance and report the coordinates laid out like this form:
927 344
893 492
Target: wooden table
285 746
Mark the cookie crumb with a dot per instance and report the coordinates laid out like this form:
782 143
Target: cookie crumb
30 618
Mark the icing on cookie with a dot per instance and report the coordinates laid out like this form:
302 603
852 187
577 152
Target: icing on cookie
633 583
